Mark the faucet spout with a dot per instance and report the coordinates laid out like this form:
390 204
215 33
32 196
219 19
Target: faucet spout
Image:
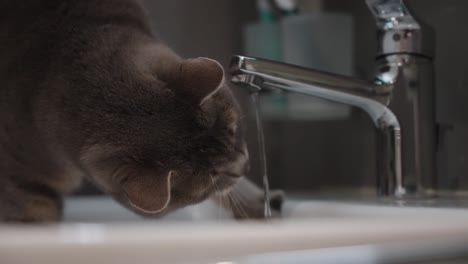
265 74
259 74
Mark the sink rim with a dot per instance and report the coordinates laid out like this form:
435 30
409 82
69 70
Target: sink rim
115 242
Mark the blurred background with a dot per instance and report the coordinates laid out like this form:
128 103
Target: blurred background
312 145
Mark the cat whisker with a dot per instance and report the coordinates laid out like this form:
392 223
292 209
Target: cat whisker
213 183
243 200
238 204
231 203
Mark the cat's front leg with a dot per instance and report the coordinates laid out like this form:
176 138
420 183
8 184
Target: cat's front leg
246 200
29 202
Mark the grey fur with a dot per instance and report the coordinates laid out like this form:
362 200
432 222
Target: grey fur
87 89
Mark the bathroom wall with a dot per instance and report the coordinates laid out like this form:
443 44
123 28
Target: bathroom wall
203 27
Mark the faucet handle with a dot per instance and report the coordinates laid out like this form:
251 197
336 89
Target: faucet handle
399 32
392 14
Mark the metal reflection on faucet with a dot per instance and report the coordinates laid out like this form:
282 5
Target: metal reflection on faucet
263 74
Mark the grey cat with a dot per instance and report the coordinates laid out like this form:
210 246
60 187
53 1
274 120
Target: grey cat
87 89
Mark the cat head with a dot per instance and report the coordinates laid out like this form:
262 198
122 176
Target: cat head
169 140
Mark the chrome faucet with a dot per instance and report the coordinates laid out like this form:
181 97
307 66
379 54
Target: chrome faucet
400 100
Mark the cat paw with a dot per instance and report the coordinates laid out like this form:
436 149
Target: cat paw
39 210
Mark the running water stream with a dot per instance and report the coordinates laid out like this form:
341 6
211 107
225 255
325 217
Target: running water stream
261 149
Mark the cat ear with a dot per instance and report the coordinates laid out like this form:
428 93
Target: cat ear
201 78
149 192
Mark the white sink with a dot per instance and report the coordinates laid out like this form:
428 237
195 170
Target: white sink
97 230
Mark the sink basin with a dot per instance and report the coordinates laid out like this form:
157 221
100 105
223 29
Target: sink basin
98 230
